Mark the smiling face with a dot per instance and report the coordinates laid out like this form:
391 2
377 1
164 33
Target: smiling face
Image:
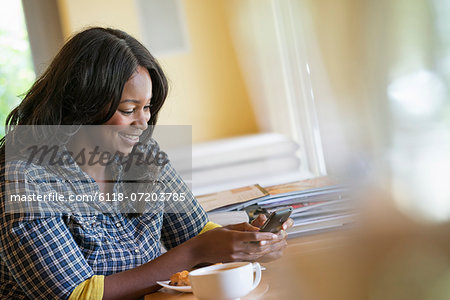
132 115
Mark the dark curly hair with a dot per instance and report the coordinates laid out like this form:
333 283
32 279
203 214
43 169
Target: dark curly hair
84 83
88 74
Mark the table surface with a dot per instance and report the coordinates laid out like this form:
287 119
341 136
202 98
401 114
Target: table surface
282 278
387 256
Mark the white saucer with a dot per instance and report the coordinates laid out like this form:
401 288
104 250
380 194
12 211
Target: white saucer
184 289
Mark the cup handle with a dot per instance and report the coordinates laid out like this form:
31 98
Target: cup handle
257 270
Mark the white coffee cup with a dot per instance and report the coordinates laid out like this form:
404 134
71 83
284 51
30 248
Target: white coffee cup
225 281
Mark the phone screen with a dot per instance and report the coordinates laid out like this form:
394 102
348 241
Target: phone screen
276 219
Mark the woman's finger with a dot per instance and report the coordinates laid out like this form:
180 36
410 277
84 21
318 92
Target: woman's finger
255 236
274 243
282 234
242 256
288 224
275 252
255 248
262 247
242 227
250 251
259 221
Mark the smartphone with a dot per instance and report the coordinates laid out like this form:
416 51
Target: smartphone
276 219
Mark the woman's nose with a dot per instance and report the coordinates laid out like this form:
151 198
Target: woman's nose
141 121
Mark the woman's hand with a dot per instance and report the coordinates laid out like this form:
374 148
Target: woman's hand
278 247
261 219
239 242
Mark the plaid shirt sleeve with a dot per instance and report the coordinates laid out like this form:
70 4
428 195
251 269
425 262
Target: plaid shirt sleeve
40 252
182 219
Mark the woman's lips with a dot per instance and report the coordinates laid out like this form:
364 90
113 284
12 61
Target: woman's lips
129 139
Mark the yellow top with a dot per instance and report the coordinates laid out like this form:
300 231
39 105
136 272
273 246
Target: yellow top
92 288
209 226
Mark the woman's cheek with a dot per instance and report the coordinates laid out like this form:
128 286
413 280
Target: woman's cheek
117 119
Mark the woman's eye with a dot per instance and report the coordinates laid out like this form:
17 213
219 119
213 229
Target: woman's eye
127 112
130 111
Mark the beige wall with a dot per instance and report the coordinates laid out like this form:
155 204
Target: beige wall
207 89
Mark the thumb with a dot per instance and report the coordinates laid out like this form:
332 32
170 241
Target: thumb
259 221
243 227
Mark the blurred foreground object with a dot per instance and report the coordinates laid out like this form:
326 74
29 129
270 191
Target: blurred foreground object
387 256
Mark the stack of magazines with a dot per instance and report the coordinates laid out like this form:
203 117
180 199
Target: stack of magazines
319 204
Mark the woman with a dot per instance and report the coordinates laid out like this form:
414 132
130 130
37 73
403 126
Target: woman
104 77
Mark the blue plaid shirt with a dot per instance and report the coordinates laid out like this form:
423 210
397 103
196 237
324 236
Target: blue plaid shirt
47 255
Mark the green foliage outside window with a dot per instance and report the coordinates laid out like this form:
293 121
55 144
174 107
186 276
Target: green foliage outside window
16 69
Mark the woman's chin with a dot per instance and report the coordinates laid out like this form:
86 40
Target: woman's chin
124 150
125 145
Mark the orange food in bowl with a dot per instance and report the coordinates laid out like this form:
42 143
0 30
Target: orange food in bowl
180 279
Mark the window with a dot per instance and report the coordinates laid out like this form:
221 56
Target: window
16 69
269 37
